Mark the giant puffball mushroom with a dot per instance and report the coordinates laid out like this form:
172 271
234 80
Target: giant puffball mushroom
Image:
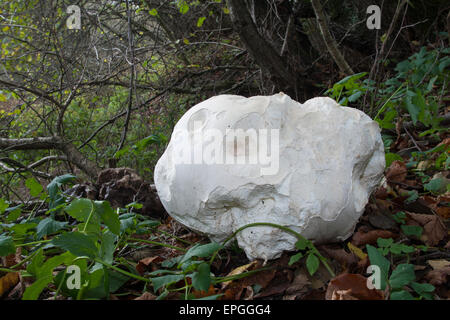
310 167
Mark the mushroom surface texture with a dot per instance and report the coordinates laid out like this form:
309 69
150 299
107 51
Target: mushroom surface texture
233 161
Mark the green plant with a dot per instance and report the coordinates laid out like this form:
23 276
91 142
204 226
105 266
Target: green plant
349 89
401 280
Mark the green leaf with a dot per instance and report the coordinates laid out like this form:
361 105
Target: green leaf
6 246
107 247
391 157
437 186
398 248
79 209
413 196
77 243
415 231
109 217
3 205
201 279
201 251
153 12
56 183
22 228
36 263
200 21
302 244
159 282
48 226
213 297
376 258
14 213
34 187
401 295
33 291
44 273
295 258
384 242
423 289
399 217
402 276
412 108
184 7
312 263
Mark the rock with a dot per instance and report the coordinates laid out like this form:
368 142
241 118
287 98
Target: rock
310 167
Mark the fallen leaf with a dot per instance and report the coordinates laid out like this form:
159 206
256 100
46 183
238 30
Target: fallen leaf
438 277
239 270
146 296
339 254
443 212
201 293
298 287
143 264
439 264
433 229
357 251
360 238
8 281
396 172
350 286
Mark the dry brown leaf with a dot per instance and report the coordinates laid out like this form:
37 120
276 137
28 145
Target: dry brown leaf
343 257
8 281
438 277
201 294
146 296
433 229
438 264
360 238
443 212
239 270
350 286
143 264
396 172
299 286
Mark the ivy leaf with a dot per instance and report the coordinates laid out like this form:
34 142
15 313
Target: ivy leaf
77 243
312 263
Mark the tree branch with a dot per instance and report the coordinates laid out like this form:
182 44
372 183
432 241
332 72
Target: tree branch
330 42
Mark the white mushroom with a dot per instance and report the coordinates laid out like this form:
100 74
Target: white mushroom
310 167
